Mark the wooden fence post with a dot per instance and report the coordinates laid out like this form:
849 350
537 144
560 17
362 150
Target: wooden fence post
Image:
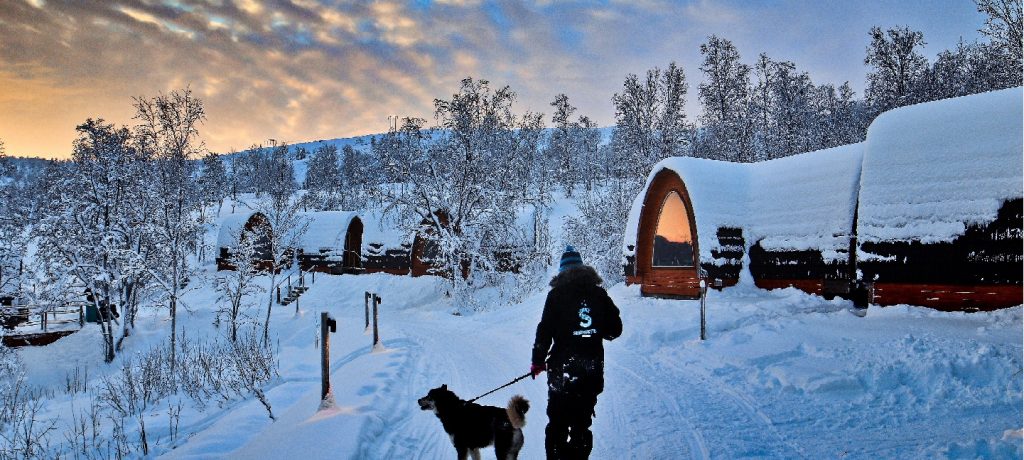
327 325
366 310
703 309
376 334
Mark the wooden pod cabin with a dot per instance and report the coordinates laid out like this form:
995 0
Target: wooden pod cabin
786 222
940 221
332 242
386 245
244 225
927 211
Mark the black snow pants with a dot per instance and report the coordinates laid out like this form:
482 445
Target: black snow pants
568 436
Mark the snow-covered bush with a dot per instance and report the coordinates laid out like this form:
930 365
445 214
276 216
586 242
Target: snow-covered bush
598 232
23 430
10 368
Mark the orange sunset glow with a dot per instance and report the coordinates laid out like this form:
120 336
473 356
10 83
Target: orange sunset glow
674 222
305 70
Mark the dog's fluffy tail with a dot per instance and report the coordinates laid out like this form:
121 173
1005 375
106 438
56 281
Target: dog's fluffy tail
517 407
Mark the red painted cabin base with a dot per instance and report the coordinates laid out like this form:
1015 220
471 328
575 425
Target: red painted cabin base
808 286
671 283
948 297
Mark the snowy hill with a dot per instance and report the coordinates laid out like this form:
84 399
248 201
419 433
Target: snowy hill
363 143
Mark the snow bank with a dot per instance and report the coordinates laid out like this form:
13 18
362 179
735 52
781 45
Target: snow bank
932 169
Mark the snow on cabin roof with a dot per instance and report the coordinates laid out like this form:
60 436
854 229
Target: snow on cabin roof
932 169
384 232
800 202
230 228
805 201
325 230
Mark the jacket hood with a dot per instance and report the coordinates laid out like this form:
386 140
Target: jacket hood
583 274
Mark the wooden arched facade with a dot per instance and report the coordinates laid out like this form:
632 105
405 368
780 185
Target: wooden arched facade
256 225
425 251
671 276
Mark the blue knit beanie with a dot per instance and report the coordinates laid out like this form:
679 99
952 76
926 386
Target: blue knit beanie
570 259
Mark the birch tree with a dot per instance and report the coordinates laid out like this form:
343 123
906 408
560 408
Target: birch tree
168 132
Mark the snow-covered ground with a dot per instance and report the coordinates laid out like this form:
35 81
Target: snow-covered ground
783 374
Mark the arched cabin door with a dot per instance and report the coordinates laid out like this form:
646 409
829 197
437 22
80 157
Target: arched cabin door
352 260
667 257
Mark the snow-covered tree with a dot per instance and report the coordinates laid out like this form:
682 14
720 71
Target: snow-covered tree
323 179
636 140
727 132
1004 26
597 233
85 236
840 118
587 139
236 286
14 210
213 181
786 119
455 177
530 182
896 66
561 146
6 168
282 213
168 132
672 125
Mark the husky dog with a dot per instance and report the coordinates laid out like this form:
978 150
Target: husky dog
472 426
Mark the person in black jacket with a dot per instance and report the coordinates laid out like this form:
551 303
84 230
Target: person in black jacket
578 316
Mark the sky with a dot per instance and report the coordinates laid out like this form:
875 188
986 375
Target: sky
305 70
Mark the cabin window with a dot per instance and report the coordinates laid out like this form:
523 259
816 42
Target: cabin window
673 239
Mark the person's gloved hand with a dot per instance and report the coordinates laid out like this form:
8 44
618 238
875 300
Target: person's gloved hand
536 369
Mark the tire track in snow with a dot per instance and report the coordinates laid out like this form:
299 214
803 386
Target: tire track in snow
645 412
405 431
453 359
722 408
397 435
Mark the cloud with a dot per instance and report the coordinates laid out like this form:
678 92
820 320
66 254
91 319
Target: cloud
304 69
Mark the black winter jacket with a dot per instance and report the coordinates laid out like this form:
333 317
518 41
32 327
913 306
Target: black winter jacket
578 315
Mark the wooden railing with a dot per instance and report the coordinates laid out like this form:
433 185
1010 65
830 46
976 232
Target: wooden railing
45 316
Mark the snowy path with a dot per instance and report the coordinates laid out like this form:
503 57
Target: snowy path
790 381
